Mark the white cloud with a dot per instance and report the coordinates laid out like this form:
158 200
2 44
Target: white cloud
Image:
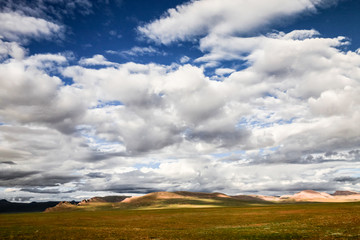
11 49
221 17
31 95
336 102
96 60
16 27
224 71
184 59
137 51
46 8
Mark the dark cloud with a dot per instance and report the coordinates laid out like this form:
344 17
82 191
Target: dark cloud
96 175
299 156
44 191
153 138
330 154
52 180
132 189
34 179
347 179
222 138
12 175
354 152
300 186
8 162
100 156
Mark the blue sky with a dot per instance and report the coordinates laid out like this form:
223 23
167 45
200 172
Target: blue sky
129 97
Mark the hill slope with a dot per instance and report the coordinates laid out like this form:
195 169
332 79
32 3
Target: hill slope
183 199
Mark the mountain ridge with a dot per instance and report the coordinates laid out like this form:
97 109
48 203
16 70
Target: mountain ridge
185 199
176 199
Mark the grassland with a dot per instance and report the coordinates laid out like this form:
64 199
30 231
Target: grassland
274 221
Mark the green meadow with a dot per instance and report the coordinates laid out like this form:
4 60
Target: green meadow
252 221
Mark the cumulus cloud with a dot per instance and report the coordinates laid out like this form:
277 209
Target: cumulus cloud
96 60
219 17
115 115
16 27
12 49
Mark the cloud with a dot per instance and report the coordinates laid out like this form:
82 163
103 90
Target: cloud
226 48
34 178
20 199
35 95
224 71
11 175
17 27
96 175
96 60
171 100
347 179
219 17
12 49
7 162
55 9
138 51
336 102
184 59
43 191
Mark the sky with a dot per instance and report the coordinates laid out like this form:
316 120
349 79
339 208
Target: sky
124 97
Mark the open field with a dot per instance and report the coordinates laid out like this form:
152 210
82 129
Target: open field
274 221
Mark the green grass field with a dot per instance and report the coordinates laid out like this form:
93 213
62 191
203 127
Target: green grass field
275 221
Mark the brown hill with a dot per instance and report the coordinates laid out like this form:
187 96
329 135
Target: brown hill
310 194
62 207
344 193
313 196
183 199
175 195
152 196
249 198
106 199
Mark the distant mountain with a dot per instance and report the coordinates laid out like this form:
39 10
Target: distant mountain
62 207
11 207
344 193
163 199
174 195
155 200
180 199
308 195
87 204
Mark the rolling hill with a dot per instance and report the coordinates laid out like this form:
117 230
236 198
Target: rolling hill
183 199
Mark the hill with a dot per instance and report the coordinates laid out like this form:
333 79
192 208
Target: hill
184 199
106 199
313 196
344 193
11 207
